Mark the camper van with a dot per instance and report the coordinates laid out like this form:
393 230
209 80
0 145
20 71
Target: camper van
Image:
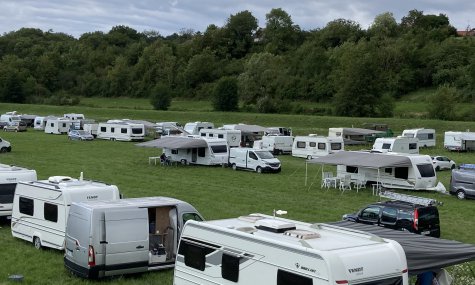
57 126
276 144
125 236
9 177
459 141
193 128
262 249
426 136
253 159
313 146
398 144
197 150
233 137
40 208
121 131
10 117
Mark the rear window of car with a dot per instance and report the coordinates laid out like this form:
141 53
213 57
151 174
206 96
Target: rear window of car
428 215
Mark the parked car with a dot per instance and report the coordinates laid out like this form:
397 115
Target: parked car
15 127
400 215
462 182
442 162
80 135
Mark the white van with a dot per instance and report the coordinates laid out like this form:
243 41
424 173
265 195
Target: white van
399 144
193 128
314 146
40 208
121 131
9 177
125 236
262 249
10 117
233 137
426 136
276 144
57 126
253 159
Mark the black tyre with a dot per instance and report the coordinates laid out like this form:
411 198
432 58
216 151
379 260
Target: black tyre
453 166
3 149
437 168
461 194
234 166
259 169
37 242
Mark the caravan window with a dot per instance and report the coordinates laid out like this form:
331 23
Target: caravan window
211 135
388 170
137 131
219 148
335 146
230 267
112 130
430 136
194 253
386 146
312 144
413 146
123 130
409 135
321 146
64 125
7 191
50 212
287 278
426 170
26 206
351 169
52 124
401 172
201 152
220 136
300 144
103 129
203 134
174 151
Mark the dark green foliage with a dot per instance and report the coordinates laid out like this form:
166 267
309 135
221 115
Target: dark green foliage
442 105
161 97
225 95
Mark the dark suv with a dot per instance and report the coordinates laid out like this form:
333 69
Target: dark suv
400 215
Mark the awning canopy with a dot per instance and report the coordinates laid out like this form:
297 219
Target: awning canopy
249 128
423 253
359 132
172 142
468 136
363 159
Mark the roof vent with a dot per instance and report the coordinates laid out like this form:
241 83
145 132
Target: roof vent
302 234
59 179
275 226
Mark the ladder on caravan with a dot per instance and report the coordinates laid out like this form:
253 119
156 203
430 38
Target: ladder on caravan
409 198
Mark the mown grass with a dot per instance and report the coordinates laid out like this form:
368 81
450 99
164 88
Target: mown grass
215 191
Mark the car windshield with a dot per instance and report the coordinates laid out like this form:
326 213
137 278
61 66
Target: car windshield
264 154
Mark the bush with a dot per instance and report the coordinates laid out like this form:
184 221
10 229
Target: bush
266 105
161 97
442 104
225 95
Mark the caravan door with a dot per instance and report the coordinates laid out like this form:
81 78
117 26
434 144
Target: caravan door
127 241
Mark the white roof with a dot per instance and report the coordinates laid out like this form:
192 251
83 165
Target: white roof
68 184
133 202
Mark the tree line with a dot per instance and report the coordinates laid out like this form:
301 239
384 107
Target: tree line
360 71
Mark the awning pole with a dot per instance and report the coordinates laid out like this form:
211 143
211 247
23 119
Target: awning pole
306 172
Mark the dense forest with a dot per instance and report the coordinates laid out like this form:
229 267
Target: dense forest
361 72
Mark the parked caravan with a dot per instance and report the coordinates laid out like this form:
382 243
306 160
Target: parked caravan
125 236
10 117
74 116
253 159
426 136
196 150
459 141
356 136
9 177
40 208
91 128
57 126
233 137
279 131
313 146
40 122
398 144
121 131
275 143
249 133
193 128
262 249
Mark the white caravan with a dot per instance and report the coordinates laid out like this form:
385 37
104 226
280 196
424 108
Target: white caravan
204 152
10 117
399 144
279 131
262 249
277 144
57 126
233 137
40 122
253 159
459 141
91 128
121 131
314 146
9 177
125 236
40 208
193 128
426 136
74 116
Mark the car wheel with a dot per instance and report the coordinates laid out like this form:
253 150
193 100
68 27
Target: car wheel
309 157
234 166
37 242
437 168
461 194
259 169
453 166
3 149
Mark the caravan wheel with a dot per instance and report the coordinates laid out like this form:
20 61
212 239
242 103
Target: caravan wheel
37 242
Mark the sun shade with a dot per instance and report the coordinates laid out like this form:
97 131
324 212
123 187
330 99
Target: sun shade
467 136
175 143
363 159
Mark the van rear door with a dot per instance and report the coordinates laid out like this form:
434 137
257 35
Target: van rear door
126 242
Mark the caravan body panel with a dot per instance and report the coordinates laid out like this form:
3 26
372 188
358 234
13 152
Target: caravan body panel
9 177
233 137
121 131
216 152
398 145
315 146
426 136
459 141
57 126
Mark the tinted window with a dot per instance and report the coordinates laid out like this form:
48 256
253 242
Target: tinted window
401 172
219 148
406 215
137 131
426 170
220 136
264 154
174 151
103 129
335 146
7 191
430 136
252 155
300 144
287 278
389 215
112 130
230 267
123 130
386 146
26 206
195 253
409 135
370 214
203 134
50 212
413 146
388 170
321 145
191 216
428 215
201 152
351 169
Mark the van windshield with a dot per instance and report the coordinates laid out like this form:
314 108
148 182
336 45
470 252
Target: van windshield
219 148
264 155
426 170
137 131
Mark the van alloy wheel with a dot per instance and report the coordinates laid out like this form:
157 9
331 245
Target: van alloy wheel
234 166
259 169
37 242
461 194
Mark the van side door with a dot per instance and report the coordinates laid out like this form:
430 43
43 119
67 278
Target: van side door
252 160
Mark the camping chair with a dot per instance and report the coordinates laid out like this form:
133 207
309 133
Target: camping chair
360 182
345 183
327 180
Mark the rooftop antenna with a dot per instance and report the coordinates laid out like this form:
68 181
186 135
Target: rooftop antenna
279 212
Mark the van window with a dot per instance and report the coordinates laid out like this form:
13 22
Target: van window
300 144
103 129
413 146
321 146
335 146
264 155
50 212
123 130
219 148
312 144
386 146
137 131
252 155
287 278
26 206
426 170
201 152
191 216
230 267
7 192
389 215
401 172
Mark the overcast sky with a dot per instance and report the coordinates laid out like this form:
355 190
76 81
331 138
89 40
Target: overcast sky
75 17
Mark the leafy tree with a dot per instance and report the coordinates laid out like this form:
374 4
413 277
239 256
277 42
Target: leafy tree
239 33
225 95
442 105
280 33
340 31
161 97
384 26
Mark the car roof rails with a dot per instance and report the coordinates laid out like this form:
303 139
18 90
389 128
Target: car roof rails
409 198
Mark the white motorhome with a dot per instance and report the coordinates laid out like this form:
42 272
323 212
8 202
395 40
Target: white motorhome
233 137
125 236
10 117
314 146
9 177
197 150
57 126
262 249
399 144
277 144
253 159
121 131
40 208
459 141
426 136
193 128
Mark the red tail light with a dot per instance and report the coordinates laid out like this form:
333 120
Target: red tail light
416 220
91 256
405 271
341 282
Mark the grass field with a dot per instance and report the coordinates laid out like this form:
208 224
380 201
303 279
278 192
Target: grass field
215 191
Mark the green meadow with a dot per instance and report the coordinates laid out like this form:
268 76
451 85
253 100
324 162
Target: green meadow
217 192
